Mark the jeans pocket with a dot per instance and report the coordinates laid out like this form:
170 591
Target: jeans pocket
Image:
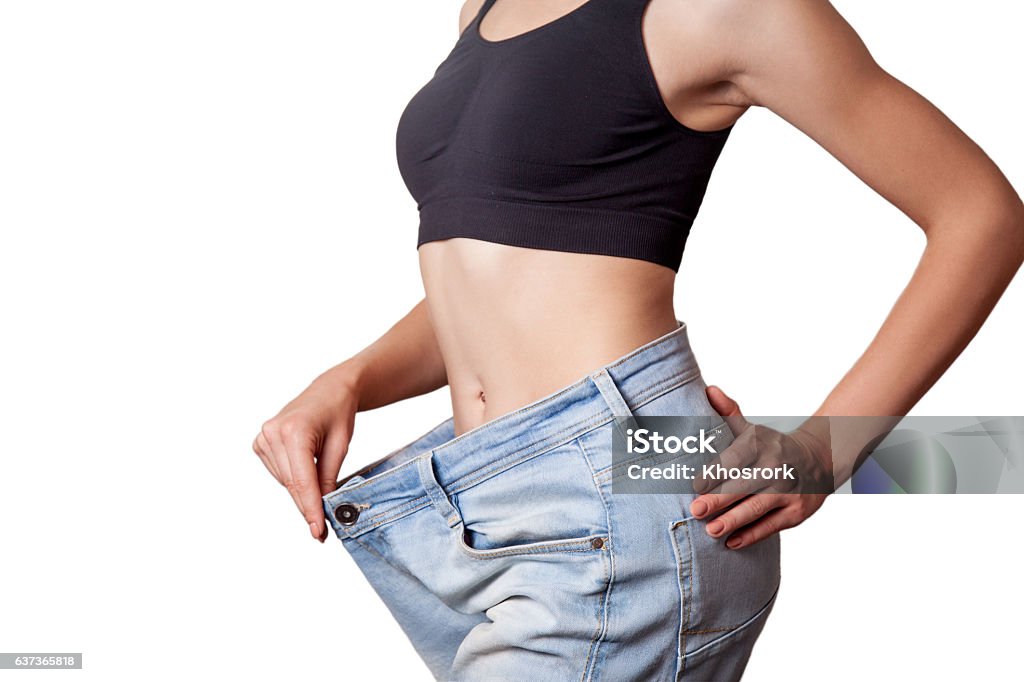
720 589
726 655
547 503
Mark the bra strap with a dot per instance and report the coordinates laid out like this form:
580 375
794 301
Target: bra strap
483 10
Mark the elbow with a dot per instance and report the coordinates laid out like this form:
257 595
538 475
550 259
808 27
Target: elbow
1005 242
1003 234
995 226
1012 230
1018 232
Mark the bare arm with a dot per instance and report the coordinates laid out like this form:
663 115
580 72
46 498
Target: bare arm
808 66
403 363
304 445
802 60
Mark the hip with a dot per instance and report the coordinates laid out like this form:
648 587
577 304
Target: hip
513 534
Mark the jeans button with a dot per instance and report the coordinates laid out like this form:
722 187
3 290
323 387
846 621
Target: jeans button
346 514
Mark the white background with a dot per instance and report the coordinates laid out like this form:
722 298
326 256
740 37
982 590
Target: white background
201 210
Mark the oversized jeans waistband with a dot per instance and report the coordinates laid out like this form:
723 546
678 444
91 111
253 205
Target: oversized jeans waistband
455 464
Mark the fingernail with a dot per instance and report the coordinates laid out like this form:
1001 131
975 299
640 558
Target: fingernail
314 530
716 527
734 542
699 508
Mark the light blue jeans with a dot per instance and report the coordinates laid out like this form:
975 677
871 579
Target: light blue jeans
504 554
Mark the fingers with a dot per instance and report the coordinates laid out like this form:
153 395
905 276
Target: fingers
279 456
300 447
742 452
742 514
728 408
760 459
710 504
290 444
771 523
262 449
329 463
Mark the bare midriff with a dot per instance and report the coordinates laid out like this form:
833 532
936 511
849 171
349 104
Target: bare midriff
516 324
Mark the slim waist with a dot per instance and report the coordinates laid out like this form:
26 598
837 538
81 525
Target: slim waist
392 487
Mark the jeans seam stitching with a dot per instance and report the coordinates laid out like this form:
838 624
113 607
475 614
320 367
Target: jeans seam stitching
556 547
508 461
666 457
685 592
470 479
602 629
648 346
365 469
604 473
462 484
525 408
477 476
689 588
392 515
684 376
457 438
760 612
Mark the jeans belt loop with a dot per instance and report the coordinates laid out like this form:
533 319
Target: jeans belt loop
435 492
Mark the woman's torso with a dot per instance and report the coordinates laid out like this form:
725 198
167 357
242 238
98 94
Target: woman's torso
515 324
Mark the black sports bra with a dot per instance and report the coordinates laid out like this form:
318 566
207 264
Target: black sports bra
556 139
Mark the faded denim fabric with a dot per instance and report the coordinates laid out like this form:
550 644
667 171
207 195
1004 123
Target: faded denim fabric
504 555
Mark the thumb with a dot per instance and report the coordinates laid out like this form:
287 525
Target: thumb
728 408
332 454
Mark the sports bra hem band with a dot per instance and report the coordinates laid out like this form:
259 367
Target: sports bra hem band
581 229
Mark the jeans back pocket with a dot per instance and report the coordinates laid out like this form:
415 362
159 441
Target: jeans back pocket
721 589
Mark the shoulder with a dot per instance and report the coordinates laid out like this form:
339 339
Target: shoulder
745 40
469 10
741 12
